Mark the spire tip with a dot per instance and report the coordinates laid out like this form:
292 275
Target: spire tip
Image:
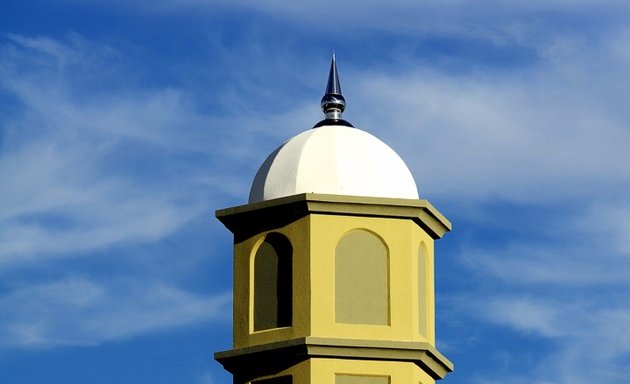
333 103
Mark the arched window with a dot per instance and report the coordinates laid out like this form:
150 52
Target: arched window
422 290
273 287
361 279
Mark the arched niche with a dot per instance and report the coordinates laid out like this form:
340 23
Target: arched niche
361 279
273 285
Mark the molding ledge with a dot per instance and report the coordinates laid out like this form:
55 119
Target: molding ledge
287 209
274 357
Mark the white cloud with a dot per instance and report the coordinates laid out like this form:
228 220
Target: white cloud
606 226
77 311
504 23
576 329
85 168
533 139
525 314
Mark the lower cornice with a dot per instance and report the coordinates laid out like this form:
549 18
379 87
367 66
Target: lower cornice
273 357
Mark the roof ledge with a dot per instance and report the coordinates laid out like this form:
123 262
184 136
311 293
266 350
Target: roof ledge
286 209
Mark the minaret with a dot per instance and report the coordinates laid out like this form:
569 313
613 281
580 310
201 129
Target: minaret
334 264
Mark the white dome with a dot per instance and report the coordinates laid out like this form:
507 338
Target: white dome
333 159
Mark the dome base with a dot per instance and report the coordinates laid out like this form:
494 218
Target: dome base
333 122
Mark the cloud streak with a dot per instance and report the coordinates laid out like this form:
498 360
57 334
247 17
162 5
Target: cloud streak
64 190
576 330
530 137
79 312
88 167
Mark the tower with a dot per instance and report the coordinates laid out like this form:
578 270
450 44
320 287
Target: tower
334 263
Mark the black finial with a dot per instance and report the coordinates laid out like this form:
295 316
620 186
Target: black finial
333 103
333 86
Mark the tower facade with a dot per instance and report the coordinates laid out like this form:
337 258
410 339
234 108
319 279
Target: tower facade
333 264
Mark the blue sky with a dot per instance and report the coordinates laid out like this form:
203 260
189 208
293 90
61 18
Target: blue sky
125 125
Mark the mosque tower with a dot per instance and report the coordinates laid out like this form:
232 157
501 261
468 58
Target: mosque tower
334 264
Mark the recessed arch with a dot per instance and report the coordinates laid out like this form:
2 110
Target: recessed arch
273 283
361 279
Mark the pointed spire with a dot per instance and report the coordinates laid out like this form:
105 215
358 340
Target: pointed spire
333 86
333 103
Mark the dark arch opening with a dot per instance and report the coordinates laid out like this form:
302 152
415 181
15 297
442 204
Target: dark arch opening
273 283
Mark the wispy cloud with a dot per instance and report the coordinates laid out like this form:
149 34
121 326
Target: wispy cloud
65 189
576 330
85 167
77 311
528 136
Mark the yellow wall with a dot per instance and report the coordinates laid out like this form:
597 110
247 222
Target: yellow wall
244 252
314 239
402 238
324 371
327 371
